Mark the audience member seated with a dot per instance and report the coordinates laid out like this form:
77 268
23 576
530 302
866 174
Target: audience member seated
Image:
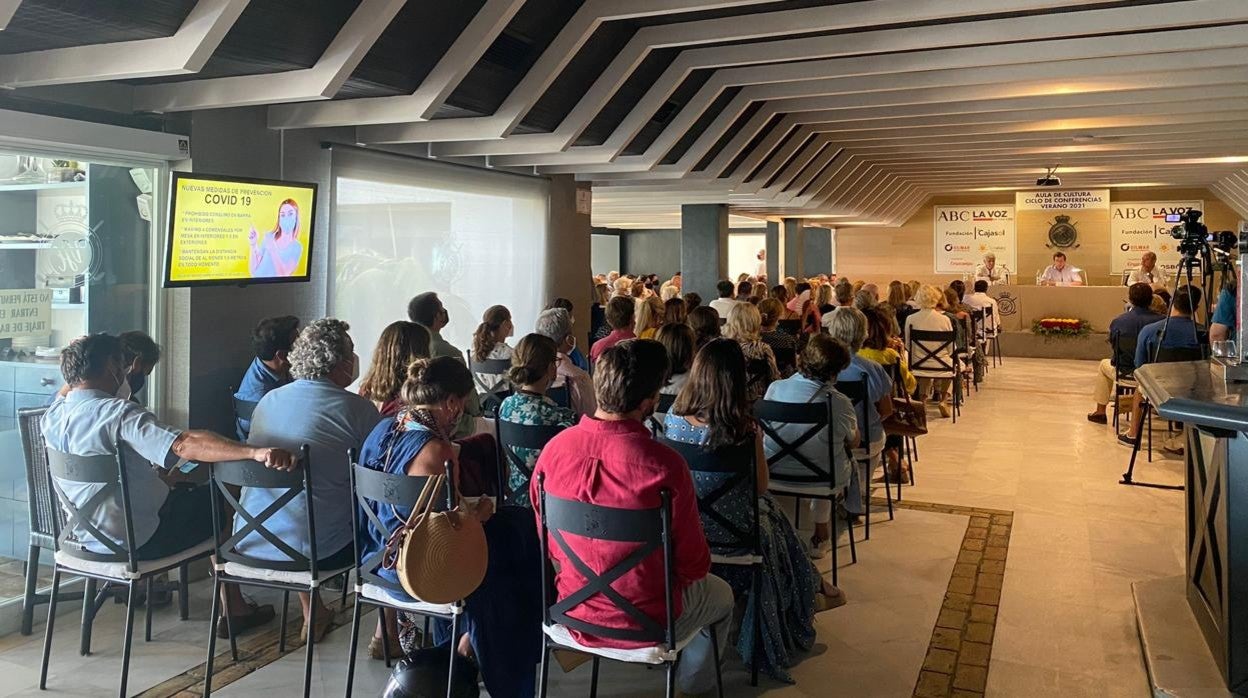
426 309
912 292
864 299
489 342
91 420
790 285
980 300
674 312
849 325
576 355
270 369
781 343
556 324
692 300
613 461
501 624
533 369
1180 333
952 309
745 289
929 319
141 354
1226 312
705 323
620 313
649 317
821 360
745 326
1125 326
680 343
884 348
843 292
805 308
823 299
725 303
317 410
401 343
598 327
713 411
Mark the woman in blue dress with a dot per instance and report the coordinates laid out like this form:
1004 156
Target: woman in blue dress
712 410
503 618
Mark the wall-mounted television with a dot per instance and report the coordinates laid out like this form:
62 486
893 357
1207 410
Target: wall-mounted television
238 231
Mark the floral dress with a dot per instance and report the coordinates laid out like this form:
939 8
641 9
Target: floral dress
532 410
789 581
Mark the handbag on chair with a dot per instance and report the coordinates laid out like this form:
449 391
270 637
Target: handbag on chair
907 419
439 557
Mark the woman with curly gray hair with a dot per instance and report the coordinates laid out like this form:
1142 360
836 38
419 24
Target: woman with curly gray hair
316 410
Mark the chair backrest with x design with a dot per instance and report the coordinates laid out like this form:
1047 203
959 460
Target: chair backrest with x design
649 529
287 485
977 322
773 416
79 528
511 436
375 491
660 413
725 478
491 396
45 515
929 353
1124 353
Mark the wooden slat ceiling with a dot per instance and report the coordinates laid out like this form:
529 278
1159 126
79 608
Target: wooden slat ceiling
852 112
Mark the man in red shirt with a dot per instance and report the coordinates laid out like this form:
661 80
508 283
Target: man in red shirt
612 460
620 317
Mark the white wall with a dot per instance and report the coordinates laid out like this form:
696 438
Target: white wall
743 253
604 253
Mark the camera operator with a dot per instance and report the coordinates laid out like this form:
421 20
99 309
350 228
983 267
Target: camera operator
1222 325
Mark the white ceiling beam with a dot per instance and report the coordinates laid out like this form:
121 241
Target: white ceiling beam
472 43
321 81
184 52
7 9
647 39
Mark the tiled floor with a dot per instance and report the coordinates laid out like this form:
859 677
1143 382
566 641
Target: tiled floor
1064 624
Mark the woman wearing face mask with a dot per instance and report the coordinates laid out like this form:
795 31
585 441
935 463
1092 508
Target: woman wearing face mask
279 251
502 618
490 342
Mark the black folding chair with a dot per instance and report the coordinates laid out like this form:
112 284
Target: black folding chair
660 413
731 478
821 482
651 530
856 391
792 328
909 444
978 339
492 395
992 334
786 359
297 572
243 410
964 356
510 436
1164 355
561 395
927 350
120 565
374 488
44 513
1124 370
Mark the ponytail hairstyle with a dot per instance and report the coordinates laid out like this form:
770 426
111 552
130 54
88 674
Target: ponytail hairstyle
533 357
484 340
432 381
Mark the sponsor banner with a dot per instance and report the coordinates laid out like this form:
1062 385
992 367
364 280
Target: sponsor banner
1068 200
962 235
1138 227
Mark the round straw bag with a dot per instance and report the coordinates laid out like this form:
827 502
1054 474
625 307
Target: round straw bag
439 557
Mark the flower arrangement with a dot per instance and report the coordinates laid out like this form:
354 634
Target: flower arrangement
1061 327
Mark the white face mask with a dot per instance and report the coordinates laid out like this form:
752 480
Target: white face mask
123 390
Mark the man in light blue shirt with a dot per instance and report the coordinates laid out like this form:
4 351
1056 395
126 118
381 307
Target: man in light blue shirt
317 410
270 369
91 420
1180 333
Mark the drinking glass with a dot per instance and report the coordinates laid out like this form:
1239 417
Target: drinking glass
1227 351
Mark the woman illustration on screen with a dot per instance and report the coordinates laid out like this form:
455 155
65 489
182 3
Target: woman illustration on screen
278 254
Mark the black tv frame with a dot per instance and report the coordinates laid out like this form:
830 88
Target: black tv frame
166 282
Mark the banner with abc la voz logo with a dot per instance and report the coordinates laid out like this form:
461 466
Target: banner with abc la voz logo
964 234
1138 227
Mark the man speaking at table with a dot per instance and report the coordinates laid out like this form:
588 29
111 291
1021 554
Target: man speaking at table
1148 272
1059 273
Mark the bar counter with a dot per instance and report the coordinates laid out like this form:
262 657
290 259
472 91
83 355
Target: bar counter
1216 494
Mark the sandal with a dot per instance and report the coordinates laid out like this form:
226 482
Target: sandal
827 602
256 616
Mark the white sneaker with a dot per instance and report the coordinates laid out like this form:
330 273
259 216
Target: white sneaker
820 550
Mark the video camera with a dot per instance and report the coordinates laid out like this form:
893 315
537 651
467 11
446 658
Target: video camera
1194 235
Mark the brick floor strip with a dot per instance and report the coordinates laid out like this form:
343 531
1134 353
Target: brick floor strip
956 665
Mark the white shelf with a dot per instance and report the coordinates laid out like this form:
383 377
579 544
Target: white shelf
69 306
40 186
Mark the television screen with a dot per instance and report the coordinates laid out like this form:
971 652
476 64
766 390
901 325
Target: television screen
231 230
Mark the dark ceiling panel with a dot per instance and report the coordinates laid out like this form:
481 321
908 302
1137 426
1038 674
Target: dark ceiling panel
272 36
712 112
625 98
731 133
580 73
410 47
511 55
39 25
669 110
